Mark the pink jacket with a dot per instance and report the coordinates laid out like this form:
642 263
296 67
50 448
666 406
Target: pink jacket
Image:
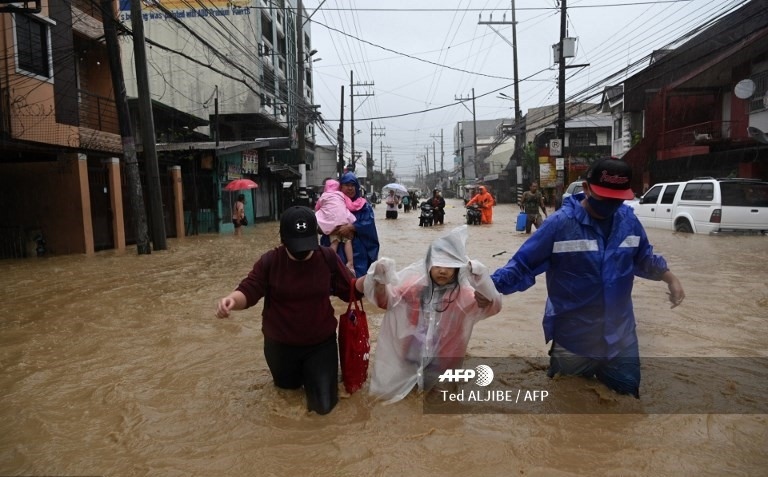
334 208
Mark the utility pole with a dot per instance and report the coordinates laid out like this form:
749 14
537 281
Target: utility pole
519 136
371 166
434 159
490 24
560 130
340 137
383 150
352 109
148 129
474 131
301 106
561 77
442 155
474 134
135 194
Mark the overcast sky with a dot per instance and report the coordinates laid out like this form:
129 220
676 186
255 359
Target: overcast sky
425 54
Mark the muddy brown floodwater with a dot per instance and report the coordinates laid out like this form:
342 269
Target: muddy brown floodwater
115 365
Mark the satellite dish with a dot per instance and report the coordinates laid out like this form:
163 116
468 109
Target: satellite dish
744 89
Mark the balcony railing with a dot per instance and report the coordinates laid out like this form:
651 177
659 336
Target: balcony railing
698 134
98 112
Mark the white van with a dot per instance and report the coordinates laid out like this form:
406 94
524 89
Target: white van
706 206
573 188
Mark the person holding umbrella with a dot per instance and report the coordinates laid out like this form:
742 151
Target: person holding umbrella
393 203
238 214
238 208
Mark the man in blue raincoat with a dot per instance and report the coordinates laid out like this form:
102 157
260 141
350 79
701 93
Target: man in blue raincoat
365 238
591 250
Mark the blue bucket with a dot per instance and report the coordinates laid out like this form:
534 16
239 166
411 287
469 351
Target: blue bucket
521 217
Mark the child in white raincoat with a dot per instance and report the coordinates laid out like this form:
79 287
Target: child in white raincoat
432 306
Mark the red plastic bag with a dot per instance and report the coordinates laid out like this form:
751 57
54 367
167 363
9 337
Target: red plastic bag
354 344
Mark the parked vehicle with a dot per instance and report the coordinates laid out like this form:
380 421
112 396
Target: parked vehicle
473 215
705 206
574 188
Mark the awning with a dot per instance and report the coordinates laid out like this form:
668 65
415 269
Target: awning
284 172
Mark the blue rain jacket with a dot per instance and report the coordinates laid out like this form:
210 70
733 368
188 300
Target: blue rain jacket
589 278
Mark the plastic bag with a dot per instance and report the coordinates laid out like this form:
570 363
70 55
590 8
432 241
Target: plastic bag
354 344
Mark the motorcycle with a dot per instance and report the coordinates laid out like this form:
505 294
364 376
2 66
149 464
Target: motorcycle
473 215
427 218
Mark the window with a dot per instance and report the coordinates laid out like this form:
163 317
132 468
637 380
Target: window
745 194
669 194
266 28
617 128
652 195
757 102
32 44
698 191
582 138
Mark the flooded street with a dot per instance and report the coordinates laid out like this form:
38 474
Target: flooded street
116 365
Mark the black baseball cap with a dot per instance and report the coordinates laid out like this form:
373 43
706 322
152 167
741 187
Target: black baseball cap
298 229
611 178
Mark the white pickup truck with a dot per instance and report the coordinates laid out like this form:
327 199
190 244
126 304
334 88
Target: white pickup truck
706 206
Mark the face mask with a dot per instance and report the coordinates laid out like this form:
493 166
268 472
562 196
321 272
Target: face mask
301 255
604 208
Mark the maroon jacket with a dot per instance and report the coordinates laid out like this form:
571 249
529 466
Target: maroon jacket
297 305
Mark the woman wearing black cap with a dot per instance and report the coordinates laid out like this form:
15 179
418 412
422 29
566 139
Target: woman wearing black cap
296 281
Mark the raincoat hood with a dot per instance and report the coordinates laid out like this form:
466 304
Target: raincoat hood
331 185
350 178
449 251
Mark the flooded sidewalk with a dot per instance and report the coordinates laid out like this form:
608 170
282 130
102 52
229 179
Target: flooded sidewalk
116 365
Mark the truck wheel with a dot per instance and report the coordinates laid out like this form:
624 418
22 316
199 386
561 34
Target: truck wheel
684 227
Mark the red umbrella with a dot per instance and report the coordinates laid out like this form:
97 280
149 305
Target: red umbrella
239 184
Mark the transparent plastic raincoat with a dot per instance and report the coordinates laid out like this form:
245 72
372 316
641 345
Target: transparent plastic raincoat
427 327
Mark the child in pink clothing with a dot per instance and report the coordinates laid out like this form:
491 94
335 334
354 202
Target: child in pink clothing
333 209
